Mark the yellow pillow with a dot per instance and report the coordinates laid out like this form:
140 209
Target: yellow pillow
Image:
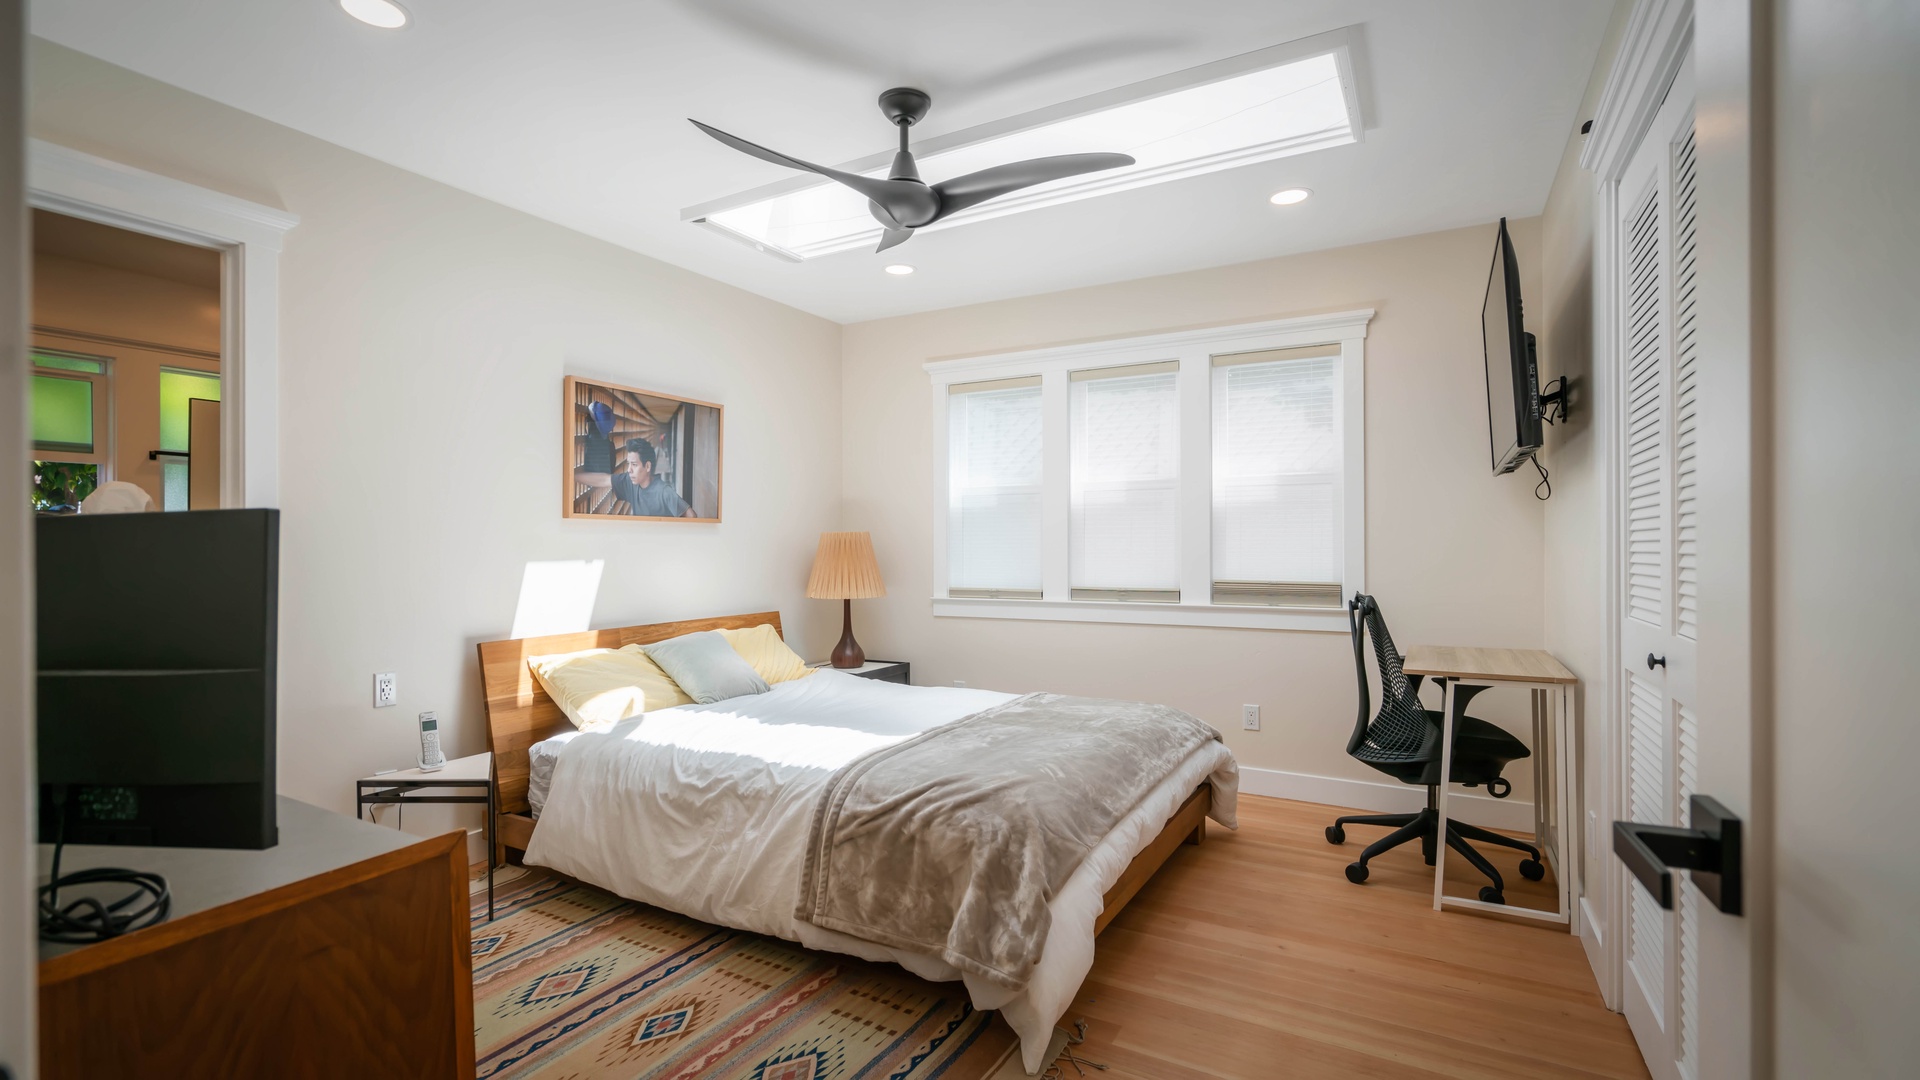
598 688
771 659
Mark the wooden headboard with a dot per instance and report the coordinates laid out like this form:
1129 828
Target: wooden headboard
519 712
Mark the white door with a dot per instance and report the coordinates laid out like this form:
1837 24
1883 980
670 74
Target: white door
1658 395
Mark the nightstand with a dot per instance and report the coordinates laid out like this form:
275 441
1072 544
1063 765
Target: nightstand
473 776
899 671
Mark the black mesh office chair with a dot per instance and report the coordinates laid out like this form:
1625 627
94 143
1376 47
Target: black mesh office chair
1403 741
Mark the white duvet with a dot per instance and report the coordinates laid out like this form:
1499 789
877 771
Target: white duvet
705 810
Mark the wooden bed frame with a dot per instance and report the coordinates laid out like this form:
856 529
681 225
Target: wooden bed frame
519 714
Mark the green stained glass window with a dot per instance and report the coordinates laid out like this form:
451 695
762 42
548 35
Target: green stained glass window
63 362
62 414
176 389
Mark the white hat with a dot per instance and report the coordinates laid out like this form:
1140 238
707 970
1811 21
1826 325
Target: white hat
117 497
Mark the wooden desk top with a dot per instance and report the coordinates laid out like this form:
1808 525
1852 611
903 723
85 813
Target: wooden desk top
312 842
1492 665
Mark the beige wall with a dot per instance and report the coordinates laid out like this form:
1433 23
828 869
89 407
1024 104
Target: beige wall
69 294
1453 552
1575 554
78 305
424 334
1846 455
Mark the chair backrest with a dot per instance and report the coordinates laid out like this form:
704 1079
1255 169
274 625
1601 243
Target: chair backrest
1399 732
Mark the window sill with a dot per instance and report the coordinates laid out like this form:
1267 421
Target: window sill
1326 620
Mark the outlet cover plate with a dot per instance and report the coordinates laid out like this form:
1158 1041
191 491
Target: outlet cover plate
1250 717
386 690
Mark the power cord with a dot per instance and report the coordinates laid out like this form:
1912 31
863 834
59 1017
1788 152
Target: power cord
1544 482
87 919
1555 401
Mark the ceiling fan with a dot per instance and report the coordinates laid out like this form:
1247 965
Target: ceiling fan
903 202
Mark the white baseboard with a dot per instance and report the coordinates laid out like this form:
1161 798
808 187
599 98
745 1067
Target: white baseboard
476 846
1510 814
1593 940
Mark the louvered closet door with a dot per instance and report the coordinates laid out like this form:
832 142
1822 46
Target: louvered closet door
1659 389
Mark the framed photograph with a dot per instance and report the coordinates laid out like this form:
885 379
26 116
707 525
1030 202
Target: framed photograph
639 454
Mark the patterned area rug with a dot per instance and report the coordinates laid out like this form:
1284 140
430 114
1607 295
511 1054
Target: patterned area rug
571 983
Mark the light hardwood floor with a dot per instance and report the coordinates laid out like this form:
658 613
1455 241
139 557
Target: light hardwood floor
1253 957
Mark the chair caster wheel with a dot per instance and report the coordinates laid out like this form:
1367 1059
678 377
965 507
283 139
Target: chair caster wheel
1336 835
1357 873
1532 870
1491 895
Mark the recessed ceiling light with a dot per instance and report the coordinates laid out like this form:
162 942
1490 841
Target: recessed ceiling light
384 14
1290 196
899 269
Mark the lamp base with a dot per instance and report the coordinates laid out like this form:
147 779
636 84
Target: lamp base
848 653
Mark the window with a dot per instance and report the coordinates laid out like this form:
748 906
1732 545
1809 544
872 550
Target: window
69 407
178 390
1277 478
1126 483
70 433
993 489
1210 477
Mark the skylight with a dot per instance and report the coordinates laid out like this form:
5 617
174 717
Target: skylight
1266 105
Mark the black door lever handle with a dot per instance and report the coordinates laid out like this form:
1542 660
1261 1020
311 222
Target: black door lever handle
1655 661
1711 849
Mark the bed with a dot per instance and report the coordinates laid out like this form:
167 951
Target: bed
636 810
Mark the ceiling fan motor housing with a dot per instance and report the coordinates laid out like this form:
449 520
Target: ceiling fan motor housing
904 106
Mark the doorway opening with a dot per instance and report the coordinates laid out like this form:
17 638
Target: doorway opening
126 381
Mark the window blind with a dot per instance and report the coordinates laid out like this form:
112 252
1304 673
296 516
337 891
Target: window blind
993 489
1277 483
1125 483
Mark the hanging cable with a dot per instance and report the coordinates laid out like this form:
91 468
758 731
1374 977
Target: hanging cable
87 919
1544 482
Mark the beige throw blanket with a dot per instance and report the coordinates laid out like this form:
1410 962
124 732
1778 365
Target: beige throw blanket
954 842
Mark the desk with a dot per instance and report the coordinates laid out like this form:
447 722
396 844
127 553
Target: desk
1550 690
474 773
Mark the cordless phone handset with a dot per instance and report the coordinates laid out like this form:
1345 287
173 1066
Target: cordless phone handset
431 758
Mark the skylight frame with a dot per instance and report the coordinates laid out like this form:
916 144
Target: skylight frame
1342 45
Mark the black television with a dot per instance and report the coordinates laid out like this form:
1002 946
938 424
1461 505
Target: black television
1513 371
156 653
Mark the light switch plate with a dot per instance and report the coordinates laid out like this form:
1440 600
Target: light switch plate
386 690
1250 717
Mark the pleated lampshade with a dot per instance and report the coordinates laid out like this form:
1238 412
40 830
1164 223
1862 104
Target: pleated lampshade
844 568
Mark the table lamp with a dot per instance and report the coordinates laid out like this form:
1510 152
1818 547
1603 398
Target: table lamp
844 569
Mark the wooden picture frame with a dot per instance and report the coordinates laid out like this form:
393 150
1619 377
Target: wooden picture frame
639 455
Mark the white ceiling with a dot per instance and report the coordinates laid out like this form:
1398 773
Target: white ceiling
575 111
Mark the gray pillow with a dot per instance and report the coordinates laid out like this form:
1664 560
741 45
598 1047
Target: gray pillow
706 667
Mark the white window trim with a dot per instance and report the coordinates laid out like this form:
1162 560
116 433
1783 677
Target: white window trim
249 235
1194 349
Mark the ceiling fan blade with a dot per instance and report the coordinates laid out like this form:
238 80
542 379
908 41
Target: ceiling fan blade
904 200
977 187
893 238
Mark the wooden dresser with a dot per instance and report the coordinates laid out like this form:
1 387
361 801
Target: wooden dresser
343 951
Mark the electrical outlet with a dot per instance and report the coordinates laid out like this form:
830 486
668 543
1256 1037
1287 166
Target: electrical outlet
1250 717
962 683
386 690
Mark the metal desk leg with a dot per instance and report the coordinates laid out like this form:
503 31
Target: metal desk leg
1536 699
488 833
1440 800
1563 865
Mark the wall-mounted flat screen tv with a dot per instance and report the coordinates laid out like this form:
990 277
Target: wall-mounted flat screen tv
1513 374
